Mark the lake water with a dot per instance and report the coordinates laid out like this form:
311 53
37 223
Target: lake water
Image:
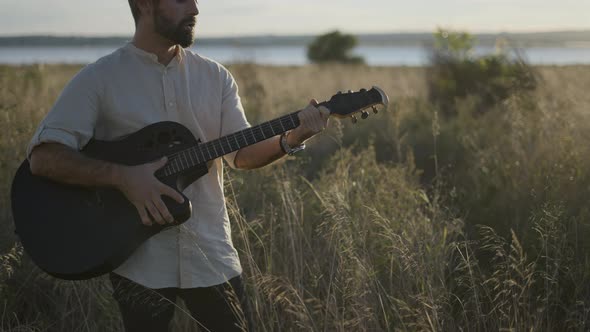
287 55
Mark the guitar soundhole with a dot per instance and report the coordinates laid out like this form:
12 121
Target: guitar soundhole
168 139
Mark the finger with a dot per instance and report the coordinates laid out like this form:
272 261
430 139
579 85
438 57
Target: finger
159 163
319 125
317 122
310 122
324 112
303 118
313 102
163 209
145 219
156 216
325 115
165 190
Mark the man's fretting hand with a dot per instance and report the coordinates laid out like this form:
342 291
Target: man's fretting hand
312 119
144 190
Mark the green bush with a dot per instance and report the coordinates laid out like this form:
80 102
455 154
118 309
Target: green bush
333 47
456 73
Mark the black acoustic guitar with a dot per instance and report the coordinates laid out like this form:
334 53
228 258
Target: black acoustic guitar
74 232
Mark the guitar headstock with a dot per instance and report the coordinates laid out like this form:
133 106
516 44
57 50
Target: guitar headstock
347 104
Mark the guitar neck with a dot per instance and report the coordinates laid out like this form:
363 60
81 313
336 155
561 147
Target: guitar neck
211 150
249 136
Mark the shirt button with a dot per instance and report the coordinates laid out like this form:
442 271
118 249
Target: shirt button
171 103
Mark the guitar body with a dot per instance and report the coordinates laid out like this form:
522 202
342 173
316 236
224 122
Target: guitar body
74 232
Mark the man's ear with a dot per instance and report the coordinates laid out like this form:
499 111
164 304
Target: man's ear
146 7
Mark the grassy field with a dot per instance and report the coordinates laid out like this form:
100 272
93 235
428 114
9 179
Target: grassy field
409 220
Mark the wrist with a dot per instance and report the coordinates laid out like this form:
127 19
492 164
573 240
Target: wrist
117 175
288 146
293 140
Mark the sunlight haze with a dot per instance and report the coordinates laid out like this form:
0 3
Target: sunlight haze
282 17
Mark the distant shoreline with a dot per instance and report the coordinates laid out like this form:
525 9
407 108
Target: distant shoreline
556 39
53 66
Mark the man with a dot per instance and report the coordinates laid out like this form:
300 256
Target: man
153 79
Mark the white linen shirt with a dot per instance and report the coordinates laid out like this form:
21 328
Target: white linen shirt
128 90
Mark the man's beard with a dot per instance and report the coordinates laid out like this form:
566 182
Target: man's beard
180 34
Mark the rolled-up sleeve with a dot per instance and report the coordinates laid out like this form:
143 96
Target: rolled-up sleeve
233 118
72 119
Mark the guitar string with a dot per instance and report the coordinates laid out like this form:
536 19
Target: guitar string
250 132
248 135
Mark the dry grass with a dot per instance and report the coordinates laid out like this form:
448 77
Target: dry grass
348 236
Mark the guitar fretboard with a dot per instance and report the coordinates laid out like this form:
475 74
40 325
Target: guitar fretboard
205 152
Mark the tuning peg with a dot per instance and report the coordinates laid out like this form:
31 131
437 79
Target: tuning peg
375 110
364 114
354 119
349 91
339 93
363 90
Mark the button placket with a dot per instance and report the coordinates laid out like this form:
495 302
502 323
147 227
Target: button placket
169 94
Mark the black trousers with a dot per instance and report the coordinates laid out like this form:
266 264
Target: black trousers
217 308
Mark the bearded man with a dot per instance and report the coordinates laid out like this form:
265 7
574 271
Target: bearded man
156 78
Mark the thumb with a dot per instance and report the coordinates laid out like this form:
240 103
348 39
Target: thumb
160 163
324 111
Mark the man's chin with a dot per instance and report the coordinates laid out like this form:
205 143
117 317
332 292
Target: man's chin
186 40
185 43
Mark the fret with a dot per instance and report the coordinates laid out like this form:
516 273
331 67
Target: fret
244 136
196 156
255 135
178 162
237 143
245 141
222 150
188 164
181 161
282 127
229 144
214 149
265 129
202 154
182 168
208 152
175 162
293 122
273 130
251 136
191 157
262 132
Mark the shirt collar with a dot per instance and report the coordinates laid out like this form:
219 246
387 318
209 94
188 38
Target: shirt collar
178 54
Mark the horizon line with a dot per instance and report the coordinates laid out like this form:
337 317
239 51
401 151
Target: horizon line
398 32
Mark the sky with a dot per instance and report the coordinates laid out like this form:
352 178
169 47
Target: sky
302 17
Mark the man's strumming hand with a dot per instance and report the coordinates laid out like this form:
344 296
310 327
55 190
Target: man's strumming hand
145 191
